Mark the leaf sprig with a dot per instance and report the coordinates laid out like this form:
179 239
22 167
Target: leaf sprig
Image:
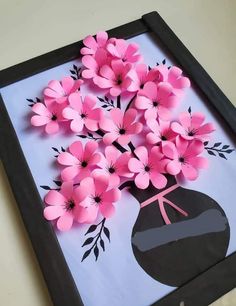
107 104
96 241
58 151
89 136
33 101
218 149
76 72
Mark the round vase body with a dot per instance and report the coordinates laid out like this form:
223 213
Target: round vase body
175 253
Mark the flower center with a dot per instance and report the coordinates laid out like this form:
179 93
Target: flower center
181 159
141 86
70 205
163 138
111 170
54 118
97 199
84 164
155 103
191 133
147 168
119 80
122 131
83 116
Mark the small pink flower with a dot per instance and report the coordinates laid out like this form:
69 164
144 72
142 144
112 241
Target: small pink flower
161 131
184 157
156 100
114 164
93 63
140 75
191 126
82 113
175 77
98 196
49 116
78 161
63 205
58 91
121 49
114 77
92 44
149 167
121 126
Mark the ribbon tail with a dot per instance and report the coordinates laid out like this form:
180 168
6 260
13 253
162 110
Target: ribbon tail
163 211
184 213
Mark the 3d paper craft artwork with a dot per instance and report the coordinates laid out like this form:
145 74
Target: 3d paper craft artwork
130 149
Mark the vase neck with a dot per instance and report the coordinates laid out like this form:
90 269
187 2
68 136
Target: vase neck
143 194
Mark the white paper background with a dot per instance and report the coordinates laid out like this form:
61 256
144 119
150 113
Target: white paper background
116 278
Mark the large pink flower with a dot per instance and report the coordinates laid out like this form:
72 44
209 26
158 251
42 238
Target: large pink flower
184 157
114 164
63 205
114 77
58 91
160 131
191 126
140 75
93 63
121 49
175 77
121 126
156 100
82 113
48 116
92 44
149 167
78 161
98 196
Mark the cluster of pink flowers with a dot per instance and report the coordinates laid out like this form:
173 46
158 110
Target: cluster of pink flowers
90 178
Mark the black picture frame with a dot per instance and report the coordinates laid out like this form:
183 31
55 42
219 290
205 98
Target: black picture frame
203 289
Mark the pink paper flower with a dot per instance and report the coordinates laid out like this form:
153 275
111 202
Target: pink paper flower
63 205
93 63
98 196
175 77
114 77
78 161
140 75
121 126
121 49
156 100
149 167
82 113
114 164
49 116
191 126
160 131
92 44
184 157
58 91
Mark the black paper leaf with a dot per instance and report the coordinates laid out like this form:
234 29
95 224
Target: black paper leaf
86 254
37 99
100 99
30 100
217 144
229 151
91 229
104 106
74 78
211 152
63 150
222 155
102 244
206 143
82 136
106 98
189 110
164 61
90 134
96 252
45 187
88 241
225 147
75 67
72 72
55 149
58 183
106 232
